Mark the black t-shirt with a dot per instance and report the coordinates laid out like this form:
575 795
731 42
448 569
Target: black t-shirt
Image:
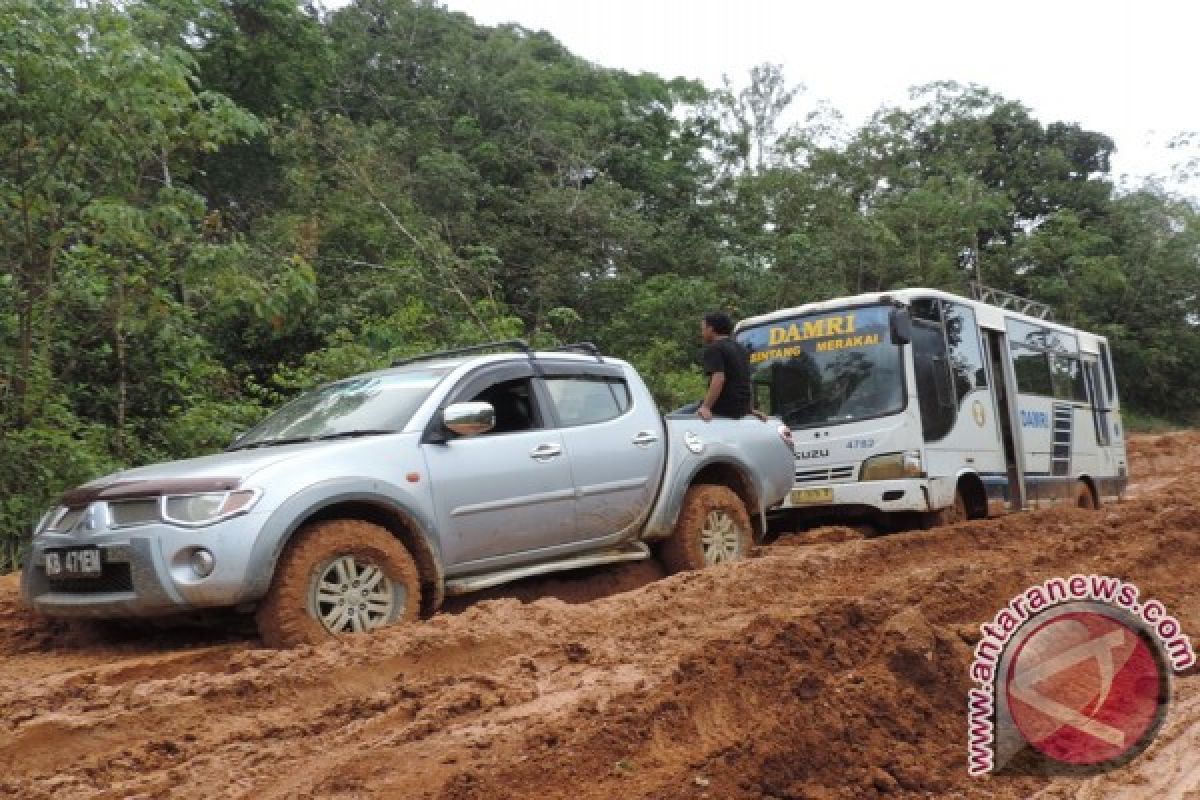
727 356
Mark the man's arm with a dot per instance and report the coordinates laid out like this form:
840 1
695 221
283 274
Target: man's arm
715 384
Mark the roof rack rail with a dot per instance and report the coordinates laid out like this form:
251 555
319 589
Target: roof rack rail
587 348
512 345
518 345
1008 300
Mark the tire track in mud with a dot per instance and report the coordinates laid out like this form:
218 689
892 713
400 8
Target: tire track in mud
827 665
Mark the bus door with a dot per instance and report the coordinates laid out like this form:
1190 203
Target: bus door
1100 411
1003 388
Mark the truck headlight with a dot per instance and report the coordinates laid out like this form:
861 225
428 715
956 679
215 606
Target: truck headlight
194 510
44 522
892 467
60 519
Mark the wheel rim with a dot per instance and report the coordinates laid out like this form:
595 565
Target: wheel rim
351 595
720 538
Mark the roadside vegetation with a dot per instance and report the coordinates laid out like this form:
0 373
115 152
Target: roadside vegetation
208 205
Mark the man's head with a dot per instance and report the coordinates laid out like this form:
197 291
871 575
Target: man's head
715 325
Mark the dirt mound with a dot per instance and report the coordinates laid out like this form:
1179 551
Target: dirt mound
832 668
1153 457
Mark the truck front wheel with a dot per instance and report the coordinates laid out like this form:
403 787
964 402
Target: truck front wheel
337 577
713 527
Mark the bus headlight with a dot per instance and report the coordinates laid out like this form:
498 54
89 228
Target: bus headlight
892 467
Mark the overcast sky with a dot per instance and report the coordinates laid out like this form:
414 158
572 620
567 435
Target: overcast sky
1127 69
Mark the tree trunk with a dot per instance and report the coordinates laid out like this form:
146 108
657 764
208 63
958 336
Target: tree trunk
122 366
24 358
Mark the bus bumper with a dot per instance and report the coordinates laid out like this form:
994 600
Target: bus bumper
884 496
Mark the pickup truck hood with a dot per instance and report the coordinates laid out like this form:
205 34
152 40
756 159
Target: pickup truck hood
216 472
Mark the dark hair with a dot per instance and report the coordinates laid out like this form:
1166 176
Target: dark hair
720 322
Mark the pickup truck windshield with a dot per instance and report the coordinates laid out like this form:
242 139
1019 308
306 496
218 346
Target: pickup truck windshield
827 368
365 405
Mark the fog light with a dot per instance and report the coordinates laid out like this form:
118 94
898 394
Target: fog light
202 563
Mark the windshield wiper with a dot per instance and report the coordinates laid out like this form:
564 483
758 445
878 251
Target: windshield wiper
350 434
302 439
271 443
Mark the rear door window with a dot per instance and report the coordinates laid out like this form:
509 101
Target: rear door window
587 400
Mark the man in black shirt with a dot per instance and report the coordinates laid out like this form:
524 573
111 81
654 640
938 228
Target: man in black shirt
727 365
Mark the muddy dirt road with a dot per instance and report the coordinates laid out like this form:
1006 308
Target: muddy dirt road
835 669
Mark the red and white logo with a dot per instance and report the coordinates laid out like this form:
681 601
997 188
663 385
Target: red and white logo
1084 688
1073 674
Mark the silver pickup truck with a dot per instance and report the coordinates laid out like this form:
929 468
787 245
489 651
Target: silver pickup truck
364 502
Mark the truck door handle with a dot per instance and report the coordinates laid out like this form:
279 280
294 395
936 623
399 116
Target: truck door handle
645 438
545 452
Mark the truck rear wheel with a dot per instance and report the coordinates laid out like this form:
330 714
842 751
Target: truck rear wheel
337 577
713 527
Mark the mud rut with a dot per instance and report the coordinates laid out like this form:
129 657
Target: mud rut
825 666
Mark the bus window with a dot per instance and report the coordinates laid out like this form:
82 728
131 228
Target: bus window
966 359
1110 390
1068 379
927 308
1040 338
1032 368
935 392
1091 373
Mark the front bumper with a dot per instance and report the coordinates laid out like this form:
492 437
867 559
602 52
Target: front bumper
884 496
146 570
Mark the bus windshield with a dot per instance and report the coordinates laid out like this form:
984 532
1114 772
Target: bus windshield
826 368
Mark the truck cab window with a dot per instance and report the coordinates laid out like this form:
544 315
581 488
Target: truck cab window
515 405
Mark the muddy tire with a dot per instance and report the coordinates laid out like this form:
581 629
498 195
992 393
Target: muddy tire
951 514
337 577
713 527
1084 497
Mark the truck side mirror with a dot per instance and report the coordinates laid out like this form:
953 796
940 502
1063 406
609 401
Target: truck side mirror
900 326
469 419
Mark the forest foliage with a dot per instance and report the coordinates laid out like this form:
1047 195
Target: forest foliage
209 205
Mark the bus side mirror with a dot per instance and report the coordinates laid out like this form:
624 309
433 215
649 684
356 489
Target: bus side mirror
900 326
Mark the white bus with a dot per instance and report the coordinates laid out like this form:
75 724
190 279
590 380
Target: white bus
919 405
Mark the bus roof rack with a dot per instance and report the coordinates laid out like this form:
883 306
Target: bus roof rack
1003 299
505 345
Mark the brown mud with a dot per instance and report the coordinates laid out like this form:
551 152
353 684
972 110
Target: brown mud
829 665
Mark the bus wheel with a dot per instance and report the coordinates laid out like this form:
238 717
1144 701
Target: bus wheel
1084 497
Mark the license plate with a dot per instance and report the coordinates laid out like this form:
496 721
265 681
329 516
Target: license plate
801 497
78 562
